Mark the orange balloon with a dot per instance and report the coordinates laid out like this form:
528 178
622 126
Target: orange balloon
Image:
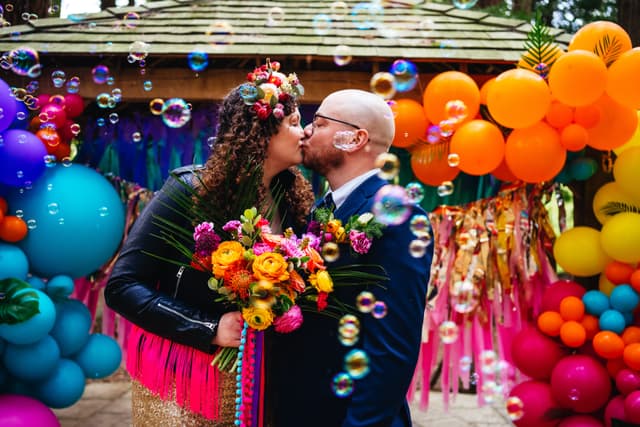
450 86
578 78
616 126
634 280
503 173
4 208
631 356
518 98
528 58
484 89
590 36
559 115
591 325
61 151
622 79
574 137
550 323
586 116
618 272
411 123
49 137
534 154
429 164
571 308
12 229
573 334
608 344
631 334
480 146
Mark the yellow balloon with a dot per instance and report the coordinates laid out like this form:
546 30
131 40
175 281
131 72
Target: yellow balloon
608 194
604 285
620 237
579 252
626 171
634 141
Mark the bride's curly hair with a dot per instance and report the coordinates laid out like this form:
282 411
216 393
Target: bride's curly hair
238 155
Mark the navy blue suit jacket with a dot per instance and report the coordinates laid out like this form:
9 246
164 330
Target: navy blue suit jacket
303 363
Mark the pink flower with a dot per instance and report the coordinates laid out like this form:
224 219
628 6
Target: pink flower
291 248
206 239
278 111
260 248
289 321
204 227
233 226
359 241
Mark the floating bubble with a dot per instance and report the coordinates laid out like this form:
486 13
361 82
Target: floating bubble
342 385
420 225
33 86
391 205
339 10
32 224
220 33
147 85
176 113
156 106
75 129
379 309
103 100
275 16
464 4
453 160
350 319
110 80
366 16
114 118
49 160
73 85
433 134
389 165
445 189
211 141
383 84
456 110
116 94
198 60
365 301
136 137
488 360
447 127
348 330
418 248
514 407
100 73
344 140
248 93
139 50
542 69
356 363
321 24
131 20
448 331
58 77
342 55
464 296
465 363
100 121
23 60
53 208
330 251
491 391
405 75
415 192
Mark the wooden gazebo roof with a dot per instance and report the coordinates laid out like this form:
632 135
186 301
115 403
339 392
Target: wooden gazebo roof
239 34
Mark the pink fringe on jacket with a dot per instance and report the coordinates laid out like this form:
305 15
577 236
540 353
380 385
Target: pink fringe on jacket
164 366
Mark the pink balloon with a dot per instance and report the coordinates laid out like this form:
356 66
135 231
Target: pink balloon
580 421
74 105
580 383
556 291
632 406
23 411
55 114
627 381
537 403
614 409
536 354
43 99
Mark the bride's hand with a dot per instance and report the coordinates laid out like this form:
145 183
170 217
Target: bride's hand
229 330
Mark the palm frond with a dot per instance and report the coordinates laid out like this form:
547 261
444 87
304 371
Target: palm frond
17 302
614 208
539 46
608 49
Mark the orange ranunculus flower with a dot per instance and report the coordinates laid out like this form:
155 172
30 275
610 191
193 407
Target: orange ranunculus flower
322 281
259 318
340 234
227 254
271 267
296 282
315 260
333 226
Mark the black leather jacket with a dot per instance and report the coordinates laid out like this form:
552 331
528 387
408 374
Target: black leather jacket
159 296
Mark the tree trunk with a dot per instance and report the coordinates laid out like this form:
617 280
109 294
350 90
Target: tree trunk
488 3
629 18
13 10
107 3
523 6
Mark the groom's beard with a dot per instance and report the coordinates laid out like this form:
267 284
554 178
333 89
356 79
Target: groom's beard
323 161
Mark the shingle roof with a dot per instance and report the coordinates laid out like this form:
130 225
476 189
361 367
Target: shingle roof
421 31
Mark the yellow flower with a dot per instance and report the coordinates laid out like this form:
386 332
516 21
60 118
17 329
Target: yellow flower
227 254
271 267
341 236
333 226
257 317
322 281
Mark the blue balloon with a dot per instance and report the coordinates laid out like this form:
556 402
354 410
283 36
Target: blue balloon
612 320
8 106
64 387
21 120
624 298
32 362
60 287
35 328
77 221
72 327
583 168
595 302
100 357
37 283
22 158
13 262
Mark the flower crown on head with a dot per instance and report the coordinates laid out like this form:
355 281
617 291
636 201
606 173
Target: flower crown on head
267 88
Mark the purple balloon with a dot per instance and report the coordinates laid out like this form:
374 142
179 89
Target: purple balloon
21 157
8 106
23 411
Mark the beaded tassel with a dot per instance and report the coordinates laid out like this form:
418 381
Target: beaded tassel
245 378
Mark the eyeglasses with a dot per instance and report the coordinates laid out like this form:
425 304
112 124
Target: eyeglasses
313 124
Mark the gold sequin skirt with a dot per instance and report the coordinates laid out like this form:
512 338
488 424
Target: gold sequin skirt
148 409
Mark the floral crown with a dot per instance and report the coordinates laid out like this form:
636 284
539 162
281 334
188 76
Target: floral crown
267 88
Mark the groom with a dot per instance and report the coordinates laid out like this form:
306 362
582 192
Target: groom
307 360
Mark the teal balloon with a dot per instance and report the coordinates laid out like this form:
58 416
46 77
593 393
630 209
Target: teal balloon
583 168
32 362
100 357
76 221
13 262
624 298
72 326
612 320
36 283
35 328
59 287
63 387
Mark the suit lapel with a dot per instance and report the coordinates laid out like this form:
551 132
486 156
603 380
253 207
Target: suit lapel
359 198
